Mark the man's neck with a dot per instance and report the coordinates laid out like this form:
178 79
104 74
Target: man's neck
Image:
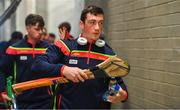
85 36
32 41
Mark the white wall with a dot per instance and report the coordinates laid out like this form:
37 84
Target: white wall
1 27
6 27
64 10
25 7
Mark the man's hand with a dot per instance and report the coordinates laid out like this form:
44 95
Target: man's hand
120 96
74 74
5 97
62 32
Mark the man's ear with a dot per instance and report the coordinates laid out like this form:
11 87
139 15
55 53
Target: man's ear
27 28
81 25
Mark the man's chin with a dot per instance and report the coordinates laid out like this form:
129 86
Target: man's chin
95 38
38 39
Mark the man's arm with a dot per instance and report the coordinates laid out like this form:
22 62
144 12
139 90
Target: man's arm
6 67
2 82
47 64
6 64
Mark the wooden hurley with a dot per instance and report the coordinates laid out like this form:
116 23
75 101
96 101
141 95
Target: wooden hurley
112 67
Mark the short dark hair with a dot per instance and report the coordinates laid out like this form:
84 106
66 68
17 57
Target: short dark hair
92 10
52 35
16 35
66 25
32 19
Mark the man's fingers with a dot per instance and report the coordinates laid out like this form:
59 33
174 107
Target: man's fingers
75 74
113 99
80 78
83 75
80 75
60 31
5 97
75 80
118 97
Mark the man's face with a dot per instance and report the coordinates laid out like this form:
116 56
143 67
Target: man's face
92 27
62 32
51 39
34 31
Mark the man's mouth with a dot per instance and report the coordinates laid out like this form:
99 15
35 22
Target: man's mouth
95 33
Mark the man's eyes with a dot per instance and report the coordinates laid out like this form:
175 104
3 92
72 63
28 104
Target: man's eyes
95 22
38 29
91 22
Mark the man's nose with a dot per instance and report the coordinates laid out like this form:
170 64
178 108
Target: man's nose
40 31
97 27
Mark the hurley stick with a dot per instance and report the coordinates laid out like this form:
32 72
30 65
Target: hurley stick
112 67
